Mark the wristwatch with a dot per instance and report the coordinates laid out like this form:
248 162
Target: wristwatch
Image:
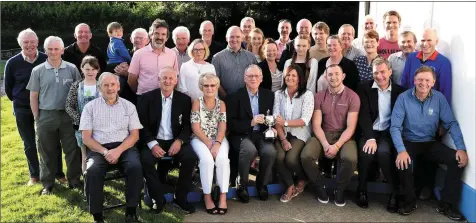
286 124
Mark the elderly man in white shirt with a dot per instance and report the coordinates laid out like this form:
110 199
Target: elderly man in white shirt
110 129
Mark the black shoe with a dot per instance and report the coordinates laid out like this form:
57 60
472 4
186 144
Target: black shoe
183 205
158 207
322 194
78 185
362 200
339 198
243 194
131 218
446 209
408 209
263 193
392 204
46 191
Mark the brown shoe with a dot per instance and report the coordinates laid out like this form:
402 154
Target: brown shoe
62 181
32 181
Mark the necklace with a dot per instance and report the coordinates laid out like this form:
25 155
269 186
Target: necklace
199 67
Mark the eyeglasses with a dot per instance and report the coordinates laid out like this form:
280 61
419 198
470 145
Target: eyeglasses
253 76
209 85
198 50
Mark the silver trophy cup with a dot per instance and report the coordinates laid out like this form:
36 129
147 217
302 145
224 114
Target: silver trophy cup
269 120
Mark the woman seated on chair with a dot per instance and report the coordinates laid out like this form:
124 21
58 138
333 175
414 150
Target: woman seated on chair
208 120
293 106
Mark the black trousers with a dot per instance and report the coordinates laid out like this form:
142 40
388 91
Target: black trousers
26 129
187 159
439 153
385 156
97 166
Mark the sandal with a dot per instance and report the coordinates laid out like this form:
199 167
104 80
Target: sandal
285 197
212 211
299 190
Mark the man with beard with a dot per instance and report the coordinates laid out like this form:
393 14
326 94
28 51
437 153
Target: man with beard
148 61
303 27
284 29
320 32
346 35
389 43
406 42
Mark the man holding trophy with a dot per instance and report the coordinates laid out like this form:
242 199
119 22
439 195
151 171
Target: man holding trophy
249 122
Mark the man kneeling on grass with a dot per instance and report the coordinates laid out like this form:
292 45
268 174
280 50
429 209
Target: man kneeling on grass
110 129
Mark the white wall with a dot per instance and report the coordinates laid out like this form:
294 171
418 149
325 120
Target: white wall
455 23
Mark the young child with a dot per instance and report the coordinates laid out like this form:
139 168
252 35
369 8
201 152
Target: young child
117 52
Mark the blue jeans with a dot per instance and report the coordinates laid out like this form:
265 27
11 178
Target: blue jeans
26 129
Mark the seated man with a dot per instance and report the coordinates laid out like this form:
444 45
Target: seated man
414 124
165 113
377 99
333 124
246 110
110 128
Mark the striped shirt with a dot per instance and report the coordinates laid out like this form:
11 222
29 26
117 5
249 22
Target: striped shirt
230 68
109 123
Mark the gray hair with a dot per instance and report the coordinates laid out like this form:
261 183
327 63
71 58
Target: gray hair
203 24
76 29
23 34
208 76
341 29
180 29
228 32
50 39
247 19
251 66
139 30
165 69
104 75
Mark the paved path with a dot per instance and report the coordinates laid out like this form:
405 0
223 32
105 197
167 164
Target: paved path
305 208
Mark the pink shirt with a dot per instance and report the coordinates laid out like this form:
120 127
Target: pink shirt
147 65
386 48
281 47
335 108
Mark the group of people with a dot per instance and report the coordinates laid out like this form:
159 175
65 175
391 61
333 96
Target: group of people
356 101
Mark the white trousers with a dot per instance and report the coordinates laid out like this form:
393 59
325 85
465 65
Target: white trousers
207 164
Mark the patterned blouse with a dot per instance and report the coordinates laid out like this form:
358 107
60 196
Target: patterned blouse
75 101
208 119
365 69
301 107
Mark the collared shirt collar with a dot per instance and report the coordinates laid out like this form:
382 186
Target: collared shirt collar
251 95
429 94
105 102
232 51
30 61
432 57
287 94
340 92
178 51
149 47
375 85
280 41
170 97
48 65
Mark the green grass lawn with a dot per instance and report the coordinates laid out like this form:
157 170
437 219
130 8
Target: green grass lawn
21 203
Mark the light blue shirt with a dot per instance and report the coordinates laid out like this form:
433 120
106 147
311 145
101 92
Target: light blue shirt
384 108
254 106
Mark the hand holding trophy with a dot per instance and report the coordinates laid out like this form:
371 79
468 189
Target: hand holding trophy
269 120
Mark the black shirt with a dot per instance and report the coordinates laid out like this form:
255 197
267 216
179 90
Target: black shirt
73 55
214 48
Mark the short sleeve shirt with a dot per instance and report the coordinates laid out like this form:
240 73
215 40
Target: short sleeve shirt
147 65
53 84
386 48
335 108
109 123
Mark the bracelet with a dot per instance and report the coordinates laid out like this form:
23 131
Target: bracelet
218 141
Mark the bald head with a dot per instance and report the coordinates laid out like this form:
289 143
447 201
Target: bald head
234 37
428 42
369 23
303 27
